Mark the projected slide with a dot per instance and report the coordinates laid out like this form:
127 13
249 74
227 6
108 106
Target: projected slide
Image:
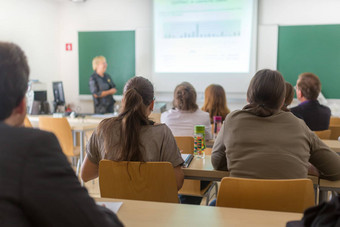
202 36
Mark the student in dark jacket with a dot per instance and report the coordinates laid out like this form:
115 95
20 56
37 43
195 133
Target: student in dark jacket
316 116
38 186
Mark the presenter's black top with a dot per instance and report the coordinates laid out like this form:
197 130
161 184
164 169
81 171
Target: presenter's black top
315 115
97 85
38 187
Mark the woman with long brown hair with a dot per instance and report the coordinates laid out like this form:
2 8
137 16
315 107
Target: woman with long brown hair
132 136
262 141
288 97
215 102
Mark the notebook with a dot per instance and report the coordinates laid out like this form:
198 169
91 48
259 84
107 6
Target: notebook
187 159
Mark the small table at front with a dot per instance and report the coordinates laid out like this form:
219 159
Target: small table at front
143 213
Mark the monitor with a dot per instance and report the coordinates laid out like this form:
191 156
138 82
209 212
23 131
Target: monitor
58 92
40 96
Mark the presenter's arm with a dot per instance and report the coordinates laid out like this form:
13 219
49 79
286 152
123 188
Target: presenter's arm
218 155
51 193
111 91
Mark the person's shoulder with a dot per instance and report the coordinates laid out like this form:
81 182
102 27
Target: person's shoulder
169 113
325 108
94 76
201 112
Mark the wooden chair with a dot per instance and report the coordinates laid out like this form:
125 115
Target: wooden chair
293 195
156 117
27 123
324 134
185 144
334 121
335 132
62 130
193 187
150 181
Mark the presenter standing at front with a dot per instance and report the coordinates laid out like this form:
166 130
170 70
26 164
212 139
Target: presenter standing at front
102 87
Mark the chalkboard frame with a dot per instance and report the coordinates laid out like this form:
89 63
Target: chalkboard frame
118 47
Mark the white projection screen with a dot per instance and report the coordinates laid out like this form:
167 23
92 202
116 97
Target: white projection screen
204 42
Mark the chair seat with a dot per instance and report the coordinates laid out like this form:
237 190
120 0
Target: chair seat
193 188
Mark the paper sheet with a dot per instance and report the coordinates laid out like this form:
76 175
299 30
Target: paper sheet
114 206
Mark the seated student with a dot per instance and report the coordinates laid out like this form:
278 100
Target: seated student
185 114
132 136
316 116
261 141
215 102
288 97
38 186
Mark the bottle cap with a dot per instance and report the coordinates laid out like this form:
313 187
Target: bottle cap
199 129
217 118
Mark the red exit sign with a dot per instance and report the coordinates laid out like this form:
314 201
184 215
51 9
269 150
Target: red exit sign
68 46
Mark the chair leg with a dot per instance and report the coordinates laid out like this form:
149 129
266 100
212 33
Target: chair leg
214 185
78 167
323 196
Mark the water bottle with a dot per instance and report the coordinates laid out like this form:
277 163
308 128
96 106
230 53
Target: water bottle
217 125
199 141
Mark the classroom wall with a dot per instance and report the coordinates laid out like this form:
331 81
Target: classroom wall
34 26
102 15
44 27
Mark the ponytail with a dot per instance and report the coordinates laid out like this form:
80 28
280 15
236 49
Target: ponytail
259 110
138 95
132 119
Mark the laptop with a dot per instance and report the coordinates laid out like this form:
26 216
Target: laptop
187 159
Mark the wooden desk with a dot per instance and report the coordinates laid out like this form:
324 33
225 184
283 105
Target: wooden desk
202 169
333 144
142 213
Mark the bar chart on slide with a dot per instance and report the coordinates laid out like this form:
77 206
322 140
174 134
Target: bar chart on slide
202 29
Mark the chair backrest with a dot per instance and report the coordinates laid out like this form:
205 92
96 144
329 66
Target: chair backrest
150 181
335 132
293 195
156 117
334 121
27 122
185 144
324 134
62 129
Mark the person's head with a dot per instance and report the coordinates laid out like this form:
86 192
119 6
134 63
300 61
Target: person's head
288 97
99 65
308 86
215 101
266 93
14 72
137 104
185 97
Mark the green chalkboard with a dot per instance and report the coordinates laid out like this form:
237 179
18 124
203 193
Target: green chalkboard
313 48
118 47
